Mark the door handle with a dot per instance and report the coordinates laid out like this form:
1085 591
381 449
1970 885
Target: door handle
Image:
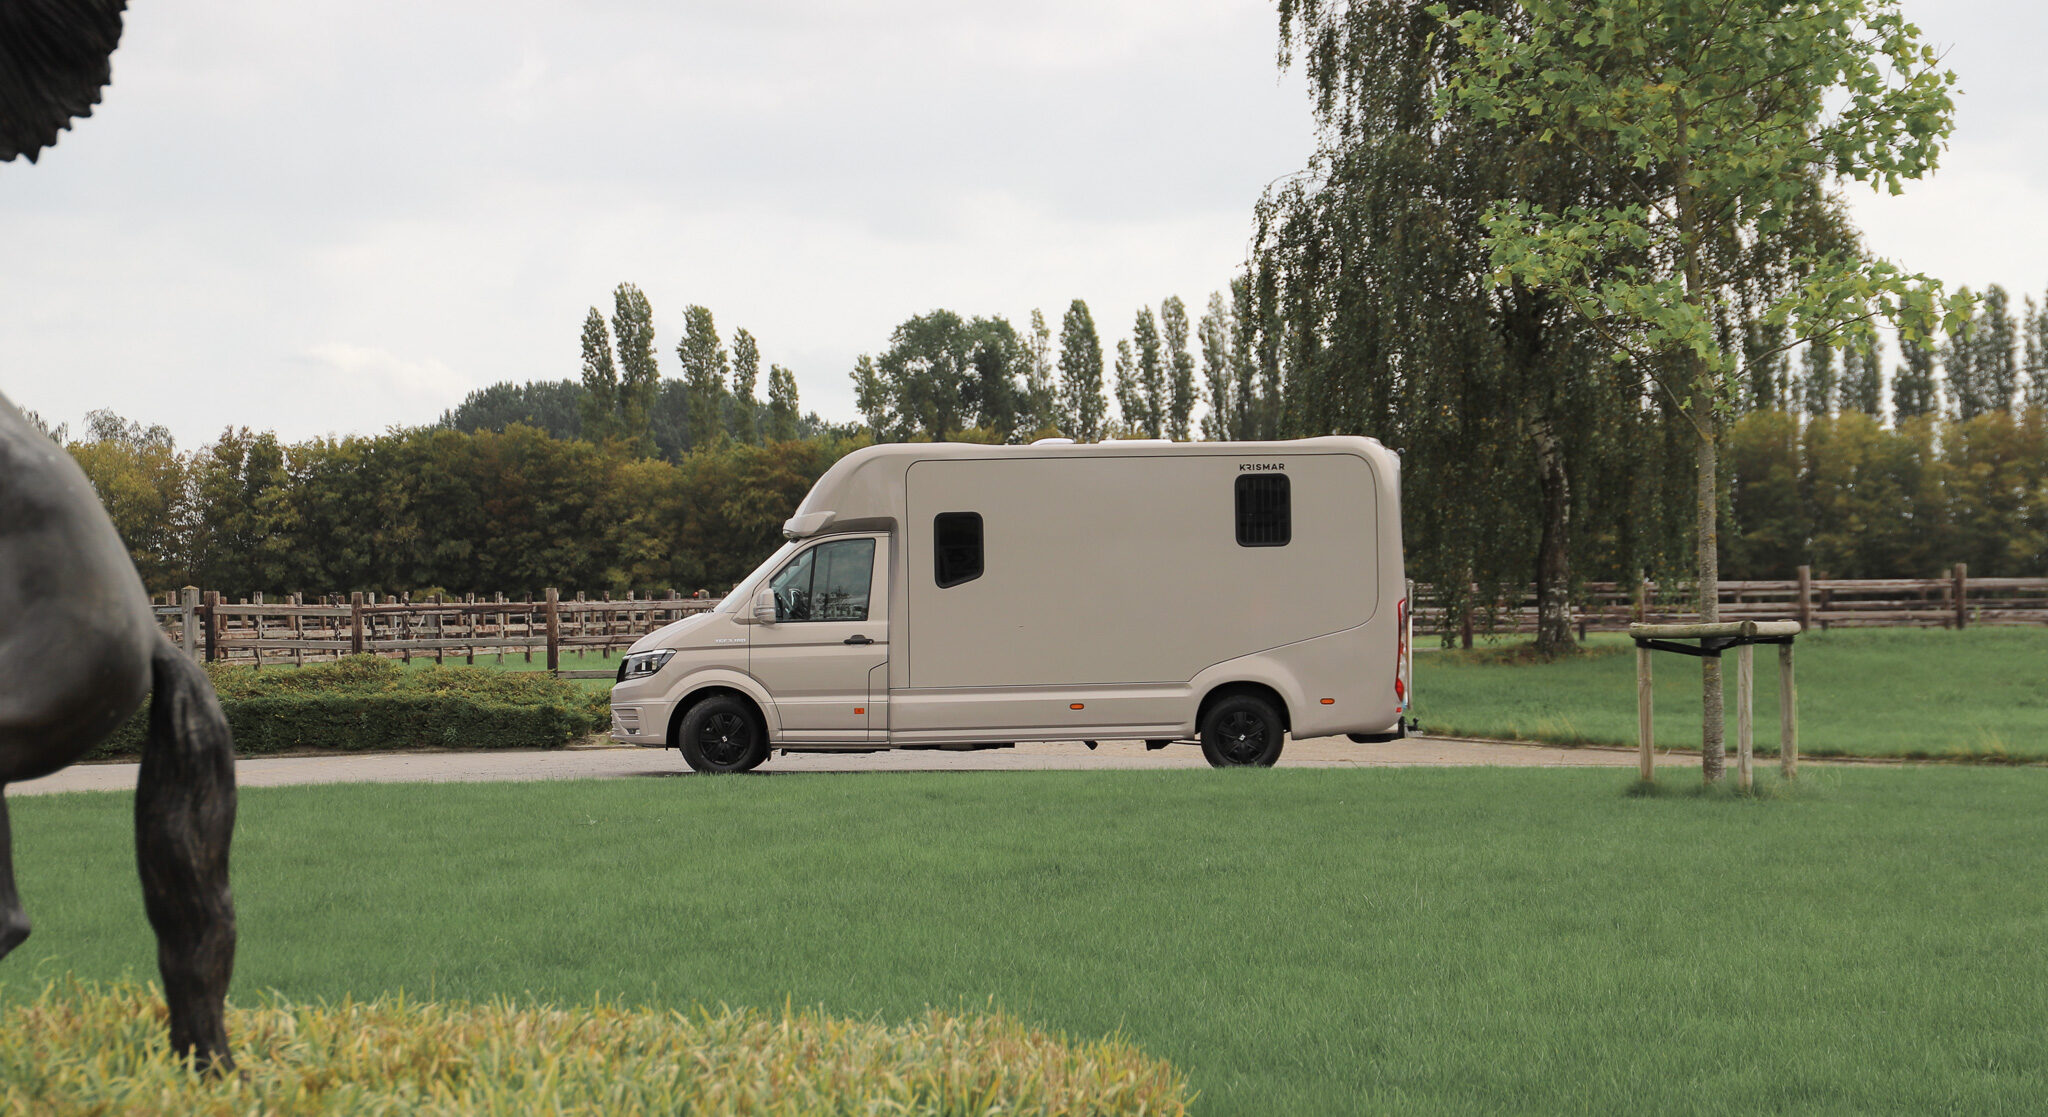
858 640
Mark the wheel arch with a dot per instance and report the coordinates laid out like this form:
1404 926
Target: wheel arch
698 694
1221 691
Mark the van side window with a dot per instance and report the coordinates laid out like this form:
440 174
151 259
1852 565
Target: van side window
1264 516
956 542
829 582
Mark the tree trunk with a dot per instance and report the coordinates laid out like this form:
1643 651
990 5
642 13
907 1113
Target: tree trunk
1553 552
1713 737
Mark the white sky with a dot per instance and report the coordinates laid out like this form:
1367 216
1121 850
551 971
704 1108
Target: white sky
326 217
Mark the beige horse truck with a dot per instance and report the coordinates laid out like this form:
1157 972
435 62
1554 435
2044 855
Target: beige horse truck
956 596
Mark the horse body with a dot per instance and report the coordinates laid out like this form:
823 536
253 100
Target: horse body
79 649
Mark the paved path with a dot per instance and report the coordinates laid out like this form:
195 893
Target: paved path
618 762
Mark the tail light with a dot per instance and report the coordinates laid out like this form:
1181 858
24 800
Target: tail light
1401 661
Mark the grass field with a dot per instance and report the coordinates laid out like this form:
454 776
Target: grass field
1296 941
1920 693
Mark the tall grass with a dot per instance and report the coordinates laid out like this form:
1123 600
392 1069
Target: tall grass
81 1049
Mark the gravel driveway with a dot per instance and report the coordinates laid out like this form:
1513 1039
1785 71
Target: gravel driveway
626 761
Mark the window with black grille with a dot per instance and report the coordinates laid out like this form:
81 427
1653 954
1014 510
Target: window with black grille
1263 515
956 542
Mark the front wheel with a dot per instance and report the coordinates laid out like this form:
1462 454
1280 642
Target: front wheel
722 734
1242 731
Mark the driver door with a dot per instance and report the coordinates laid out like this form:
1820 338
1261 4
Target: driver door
831 630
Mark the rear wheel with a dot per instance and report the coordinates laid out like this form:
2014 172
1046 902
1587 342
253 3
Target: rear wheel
722 734
1242 731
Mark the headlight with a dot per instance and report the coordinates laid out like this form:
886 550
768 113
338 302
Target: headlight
642 664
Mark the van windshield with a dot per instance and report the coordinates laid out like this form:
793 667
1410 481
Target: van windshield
747 584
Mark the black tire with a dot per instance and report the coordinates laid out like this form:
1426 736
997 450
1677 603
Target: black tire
722 734
1242 731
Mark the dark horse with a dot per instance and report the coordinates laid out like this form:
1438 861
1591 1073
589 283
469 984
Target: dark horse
79 650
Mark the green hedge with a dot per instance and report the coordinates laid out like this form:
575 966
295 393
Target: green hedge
367 704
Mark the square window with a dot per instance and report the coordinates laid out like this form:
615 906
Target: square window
956 543
1264 518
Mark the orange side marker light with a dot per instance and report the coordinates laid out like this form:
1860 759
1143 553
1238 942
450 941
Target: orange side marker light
1329 702
860 709
1078 706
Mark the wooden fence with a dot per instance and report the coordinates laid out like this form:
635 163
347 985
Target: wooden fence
1955 601
262 633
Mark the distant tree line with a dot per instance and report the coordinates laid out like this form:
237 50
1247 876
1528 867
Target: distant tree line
433 508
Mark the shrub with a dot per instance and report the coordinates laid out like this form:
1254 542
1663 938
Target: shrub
367 704
84 1049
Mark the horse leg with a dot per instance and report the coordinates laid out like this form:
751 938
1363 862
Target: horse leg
13 920
184 819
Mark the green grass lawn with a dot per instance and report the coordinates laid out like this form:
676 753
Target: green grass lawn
1298 941
1920 693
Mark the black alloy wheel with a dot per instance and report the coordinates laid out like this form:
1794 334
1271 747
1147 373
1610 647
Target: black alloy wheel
721 734
1242 731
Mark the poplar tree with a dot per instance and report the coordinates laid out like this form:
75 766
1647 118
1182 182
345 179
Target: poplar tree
1081 402
1913 385
1725 110
1219 390
1151 371
782 404
746 371
1245 404
600 403
1966 395
704 363
1180 368
1817 380
1863 375
639 375
2036 323
1038 403
1130 390
1993 345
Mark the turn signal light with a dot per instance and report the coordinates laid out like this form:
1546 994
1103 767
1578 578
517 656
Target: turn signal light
860 709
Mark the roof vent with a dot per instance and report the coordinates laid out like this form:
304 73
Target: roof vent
1053 442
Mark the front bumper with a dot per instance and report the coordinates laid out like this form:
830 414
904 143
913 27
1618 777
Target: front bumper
641 723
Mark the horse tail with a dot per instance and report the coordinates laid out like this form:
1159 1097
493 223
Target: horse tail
184 820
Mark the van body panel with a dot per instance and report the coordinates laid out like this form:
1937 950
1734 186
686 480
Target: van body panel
1128 570
1040 713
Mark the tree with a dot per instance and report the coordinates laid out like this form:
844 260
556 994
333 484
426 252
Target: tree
1217 332
1151 371
1130 390
1817 379
555 406
941 376
600 402
1082 405
782 405
703 362
746 371
1180 368
2036 331
1992 345
1725 110
1038 403
1367 311
639 375
1913 384
143 483
1863 375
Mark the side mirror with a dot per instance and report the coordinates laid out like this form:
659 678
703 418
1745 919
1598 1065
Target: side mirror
764 607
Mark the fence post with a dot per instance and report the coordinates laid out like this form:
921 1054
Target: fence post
1962 594
355 622
212 621
191 621
554 630
1645 697
1642 615
1806 599
1788 715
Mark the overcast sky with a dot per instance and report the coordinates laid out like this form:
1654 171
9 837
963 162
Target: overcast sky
324 217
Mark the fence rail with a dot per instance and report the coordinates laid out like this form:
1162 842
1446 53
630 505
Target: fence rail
1954 601
298 631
